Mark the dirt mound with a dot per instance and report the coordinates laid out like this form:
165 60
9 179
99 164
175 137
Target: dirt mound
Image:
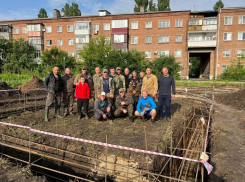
7 94
34 83
235 100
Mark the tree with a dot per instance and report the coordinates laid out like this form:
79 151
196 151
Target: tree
72 10
152 6
164 5
42 13
218 4
140 3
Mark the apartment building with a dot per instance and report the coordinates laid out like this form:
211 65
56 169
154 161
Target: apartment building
214 36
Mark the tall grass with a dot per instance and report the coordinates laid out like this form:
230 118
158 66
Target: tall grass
208 83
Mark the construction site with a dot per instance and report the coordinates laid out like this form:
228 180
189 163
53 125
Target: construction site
204 119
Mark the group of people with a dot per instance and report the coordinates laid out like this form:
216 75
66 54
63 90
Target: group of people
115 94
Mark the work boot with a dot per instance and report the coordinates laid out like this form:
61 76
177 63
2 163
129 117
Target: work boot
131 119
79 116
86 116
109 119
153 121
46 114
66 113
143 118
57 112
168 119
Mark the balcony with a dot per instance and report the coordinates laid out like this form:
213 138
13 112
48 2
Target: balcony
202 24
5 35
35 34
82 31
204 43
79 46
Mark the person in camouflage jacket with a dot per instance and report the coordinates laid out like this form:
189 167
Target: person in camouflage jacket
96 78
86 75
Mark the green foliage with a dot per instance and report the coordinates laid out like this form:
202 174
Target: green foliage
72 10
140 3
152 6
168 62
18 55
55 57
236 71
195 65
164 5
218 4
42 13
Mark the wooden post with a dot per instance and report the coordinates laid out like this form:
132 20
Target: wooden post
147 160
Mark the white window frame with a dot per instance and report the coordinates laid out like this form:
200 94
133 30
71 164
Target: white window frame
107 26
34 27
178 53
119 23
24 30
71 28
240 53
164 24
166 53
16 30
59 41
224 67
225 53
47 29
96 27
163 39
118 38
58 28
241 20
108 39
238 36
227 36
84 25
134 40
136 26
177 39
179 23
69 42
147 54
82 39
50 41
148 39
71 54
148 24
227 21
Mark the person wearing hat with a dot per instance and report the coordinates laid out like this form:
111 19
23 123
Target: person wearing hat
106 85
96 78
102 107
121 78
116 81
86 75
124 105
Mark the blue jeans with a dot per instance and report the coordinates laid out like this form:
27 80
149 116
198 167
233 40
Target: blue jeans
167 100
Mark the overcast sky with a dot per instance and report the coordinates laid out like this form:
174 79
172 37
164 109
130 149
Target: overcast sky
25 9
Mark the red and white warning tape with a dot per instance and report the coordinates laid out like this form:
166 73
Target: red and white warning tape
10 90
206 164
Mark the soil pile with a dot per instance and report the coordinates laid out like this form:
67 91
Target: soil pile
235 100
7 94
34 83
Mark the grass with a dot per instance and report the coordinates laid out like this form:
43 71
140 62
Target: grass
208 83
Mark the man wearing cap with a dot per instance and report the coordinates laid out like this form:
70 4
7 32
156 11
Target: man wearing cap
124 105
86 75
102 107
106 85
121 77
116 81
96 77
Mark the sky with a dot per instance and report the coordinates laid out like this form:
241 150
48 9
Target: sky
27 9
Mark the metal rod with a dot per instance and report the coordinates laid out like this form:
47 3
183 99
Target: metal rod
106 159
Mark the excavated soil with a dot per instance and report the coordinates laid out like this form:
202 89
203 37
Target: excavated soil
7 94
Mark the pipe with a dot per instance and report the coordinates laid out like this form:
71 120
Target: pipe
217 55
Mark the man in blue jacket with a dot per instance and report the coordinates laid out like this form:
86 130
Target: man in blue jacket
146 107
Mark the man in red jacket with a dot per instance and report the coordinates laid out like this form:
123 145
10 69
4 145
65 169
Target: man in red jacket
82 96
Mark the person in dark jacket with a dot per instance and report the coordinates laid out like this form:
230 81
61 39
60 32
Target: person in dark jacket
54 84
68 91
165 83
102 107
127 77
134 88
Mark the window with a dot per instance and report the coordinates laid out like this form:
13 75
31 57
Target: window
108 39
148 24
148 39
107 26
227 36
59 42
134 40
24 30
70 28
16 30
178 38
118 38
177 53
241 35
37 54
240 53
178 23
4 28
81 25
35 40
49 42
82 39
164 24
163 39
228 20
148 54
226 53
119 23
34 27
96 27
134 25
48 29
59 28
71 54
224 67
241 20
70 42
164 53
